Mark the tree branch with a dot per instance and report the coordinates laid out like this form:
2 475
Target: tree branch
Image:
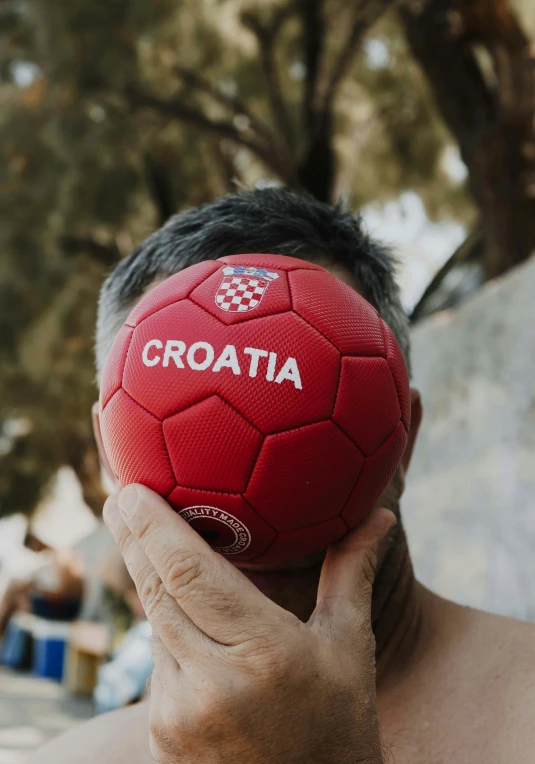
471 249
313 44
234 103
140 99
160 189
268 154
318 166
228 171
366 14
108 254
265 35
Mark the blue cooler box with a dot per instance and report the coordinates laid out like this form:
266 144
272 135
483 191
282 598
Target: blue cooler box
49 647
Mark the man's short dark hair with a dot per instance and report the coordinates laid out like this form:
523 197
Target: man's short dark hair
271 220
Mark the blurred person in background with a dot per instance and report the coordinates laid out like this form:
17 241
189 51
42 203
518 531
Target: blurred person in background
84 579
47 581
86 582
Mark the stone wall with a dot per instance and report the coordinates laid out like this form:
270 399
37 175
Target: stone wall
469 506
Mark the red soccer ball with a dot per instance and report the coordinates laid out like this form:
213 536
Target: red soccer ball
263 398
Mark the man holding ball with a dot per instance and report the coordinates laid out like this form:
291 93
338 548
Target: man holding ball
338 657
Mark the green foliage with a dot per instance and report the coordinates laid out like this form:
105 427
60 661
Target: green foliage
114 115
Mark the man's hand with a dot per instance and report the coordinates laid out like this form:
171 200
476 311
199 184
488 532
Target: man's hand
237 679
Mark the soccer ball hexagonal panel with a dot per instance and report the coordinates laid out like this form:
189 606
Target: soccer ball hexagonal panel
398 368
307 540
112 374
338 312
156 374
173 289
135 445
376 474
316 466
367 406
211 446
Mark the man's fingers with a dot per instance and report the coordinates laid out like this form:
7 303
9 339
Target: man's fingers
177 632
215 595
345 587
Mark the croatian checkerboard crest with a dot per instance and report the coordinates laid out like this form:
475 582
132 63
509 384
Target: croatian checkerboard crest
242 288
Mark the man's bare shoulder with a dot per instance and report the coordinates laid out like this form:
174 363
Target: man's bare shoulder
494 654
471 697
504 675
119 737
507 643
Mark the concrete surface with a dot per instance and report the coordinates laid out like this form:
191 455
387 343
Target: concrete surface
32 711
469 507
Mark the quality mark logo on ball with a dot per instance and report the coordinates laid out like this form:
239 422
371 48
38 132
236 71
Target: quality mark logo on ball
241 538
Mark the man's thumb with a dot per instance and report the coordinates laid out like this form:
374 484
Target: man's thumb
347 575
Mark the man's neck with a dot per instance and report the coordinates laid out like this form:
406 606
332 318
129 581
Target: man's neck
397 608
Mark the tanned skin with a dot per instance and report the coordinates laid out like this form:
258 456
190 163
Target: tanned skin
454 685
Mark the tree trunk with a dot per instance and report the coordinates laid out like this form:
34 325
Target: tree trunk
317 171
481 68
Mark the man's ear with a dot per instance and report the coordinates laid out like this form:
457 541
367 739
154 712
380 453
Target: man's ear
100 445
416 418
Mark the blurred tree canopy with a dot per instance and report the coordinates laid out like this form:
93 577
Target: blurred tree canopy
116 115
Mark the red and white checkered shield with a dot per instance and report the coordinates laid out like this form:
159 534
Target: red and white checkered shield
239 291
